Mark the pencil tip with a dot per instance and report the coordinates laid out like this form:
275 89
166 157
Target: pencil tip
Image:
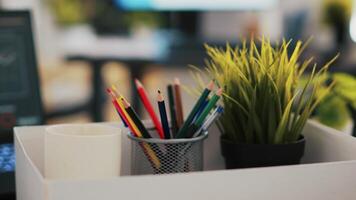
138 83
211 85
113 86
125 103
109 91
159 96
219 92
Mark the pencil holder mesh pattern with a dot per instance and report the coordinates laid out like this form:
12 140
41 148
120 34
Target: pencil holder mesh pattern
159 156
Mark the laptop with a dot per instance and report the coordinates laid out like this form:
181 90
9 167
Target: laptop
20 100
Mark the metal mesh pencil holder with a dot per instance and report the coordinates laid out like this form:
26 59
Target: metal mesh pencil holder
160 156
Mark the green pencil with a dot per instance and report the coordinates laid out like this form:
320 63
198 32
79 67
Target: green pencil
199 122
183 130
208 107
172 109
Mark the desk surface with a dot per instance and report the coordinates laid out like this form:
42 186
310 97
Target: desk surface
335 179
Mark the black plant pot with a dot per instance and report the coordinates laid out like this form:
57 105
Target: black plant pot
239 155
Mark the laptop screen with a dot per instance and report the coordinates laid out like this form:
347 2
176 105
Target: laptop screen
20 102
7 158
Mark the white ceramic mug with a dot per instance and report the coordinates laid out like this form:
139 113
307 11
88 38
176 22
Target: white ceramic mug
82 151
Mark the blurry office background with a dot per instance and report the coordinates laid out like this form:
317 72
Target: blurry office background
84 46
127 39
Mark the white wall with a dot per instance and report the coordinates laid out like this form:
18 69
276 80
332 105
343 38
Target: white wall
270 21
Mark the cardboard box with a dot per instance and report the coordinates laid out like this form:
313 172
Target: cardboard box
331 176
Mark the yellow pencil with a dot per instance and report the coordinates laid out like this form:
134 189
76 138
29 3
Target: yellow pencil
118 100
146 146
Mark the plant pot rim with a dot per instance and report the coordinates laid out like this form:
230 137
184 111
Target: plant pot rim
300 140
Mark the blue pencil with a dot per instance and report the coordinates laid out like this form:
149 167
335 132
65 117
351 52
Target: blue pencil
202 106
122 119
163 114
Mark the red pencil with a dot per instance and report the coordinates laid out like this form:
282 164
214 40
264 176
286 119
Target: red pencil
153 159
143 96
120 111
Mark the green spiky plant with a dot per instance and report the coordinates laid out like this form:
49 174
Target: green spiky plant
260 91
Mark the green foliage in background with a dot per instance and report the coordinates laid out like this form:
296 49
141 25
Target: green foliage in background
102 13
68 12
143 19
260 85
334 110
345 85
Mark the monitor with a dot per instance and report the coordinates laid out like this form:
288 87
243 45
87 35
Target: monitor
20 102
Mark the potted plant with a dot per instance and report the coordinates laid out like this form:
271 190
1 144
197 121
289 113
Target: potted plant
264 111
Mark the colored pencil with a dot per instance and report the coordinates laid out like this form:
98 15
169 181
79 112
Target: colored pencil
209 120
135 118
113 101
117 110
183 130
214 99
143 96
172 109
178 103
198 123
131 126
151 150
123 111
118 97
203 105
151 155
217 112
115 104
163 114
